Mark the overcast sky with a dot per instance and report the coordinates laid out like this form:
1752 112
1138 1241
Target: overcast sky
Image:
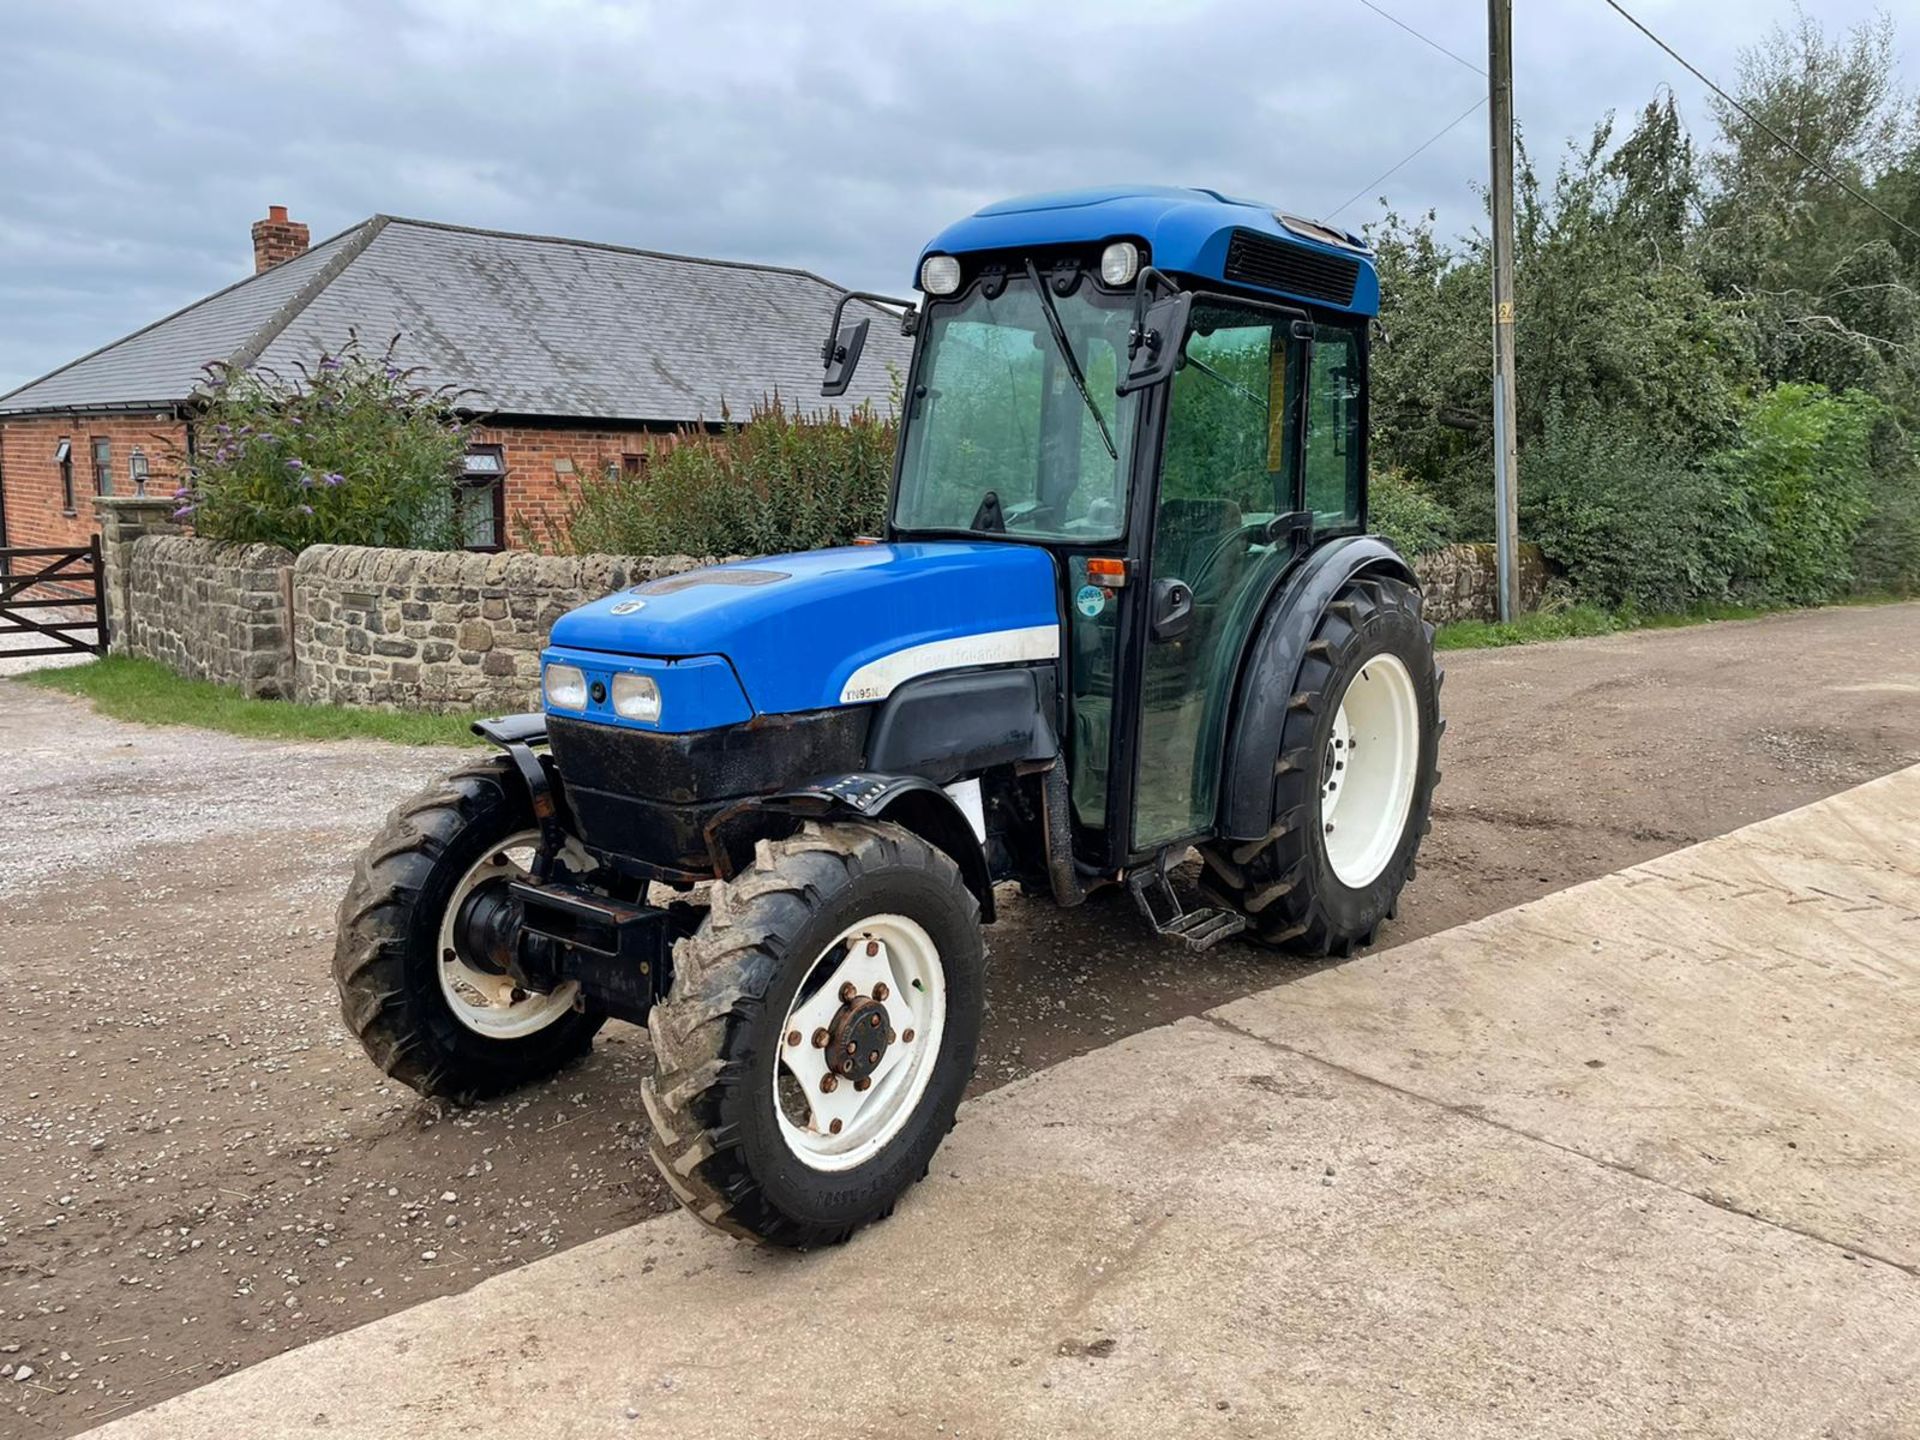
138 141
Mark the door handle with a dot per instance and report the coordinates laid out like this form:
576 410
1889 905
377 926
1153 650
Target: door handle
1172 609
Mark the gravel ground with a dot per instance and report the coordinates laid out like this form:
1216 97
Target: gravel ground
198 1168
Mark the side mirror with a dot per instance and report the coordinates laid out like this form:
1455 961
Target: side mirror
842 357
1153 350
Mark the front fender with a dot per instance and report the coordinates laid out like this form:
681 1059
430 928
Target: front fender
517 735
916 804
1271 665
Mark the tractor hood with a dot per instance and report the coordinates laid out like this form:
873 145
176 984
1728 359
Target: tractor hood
809 631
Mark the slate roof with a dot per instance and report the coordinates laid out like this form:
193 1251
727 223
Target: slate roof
526 324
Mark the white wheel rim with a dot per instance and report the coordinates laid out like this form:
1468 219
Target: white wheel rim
482 1001
1369 771
881 950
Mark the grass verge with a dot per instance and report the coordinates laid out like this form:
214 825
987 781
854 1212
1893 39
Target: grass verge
1578 621
150 694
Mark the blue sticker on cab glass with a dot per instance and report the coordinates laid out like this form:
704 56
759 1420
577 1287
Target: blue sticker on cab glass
1090 601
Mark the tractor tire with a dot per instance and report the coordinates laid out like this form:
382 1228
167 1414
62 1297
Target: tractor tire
403 988
1307 886
771 978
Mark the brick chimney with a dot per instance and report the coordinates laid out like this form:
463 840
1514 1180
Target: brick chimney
277 238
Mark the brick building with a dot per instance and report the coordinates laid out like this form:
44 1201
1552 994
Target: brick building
566 352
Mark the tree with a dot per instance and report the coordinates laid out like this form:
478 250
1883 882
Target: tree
1830 285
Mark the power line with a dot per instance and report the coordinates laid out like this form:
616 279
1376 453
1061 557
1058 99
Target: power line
1437 138
1757 121
1423 39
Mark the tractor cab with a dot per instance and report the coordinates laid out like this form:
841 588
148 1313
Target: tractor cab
1165 389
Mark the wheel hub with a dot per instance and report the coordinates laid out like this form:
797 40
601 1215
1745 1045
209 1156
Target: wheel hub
858 1037
485 927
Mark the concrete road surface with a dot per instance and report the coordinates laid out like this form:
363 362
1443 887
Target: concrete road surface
1638 1158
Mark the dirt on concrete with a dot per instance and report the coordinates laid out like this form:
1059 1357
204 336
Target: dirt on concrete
198 1168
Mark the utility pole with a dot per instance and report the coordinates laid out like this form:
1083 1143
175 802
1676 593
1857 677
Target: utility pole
1506 449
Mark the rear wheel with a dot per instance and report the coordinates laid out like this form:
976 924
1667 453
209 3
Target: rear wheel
821 1028
1353 786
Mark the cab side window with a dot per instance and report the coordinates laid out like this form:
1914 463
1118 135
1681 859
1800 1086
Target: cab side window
1335 452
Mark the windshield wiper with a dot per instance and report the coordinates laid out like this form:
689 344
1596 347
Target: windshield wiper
1066 354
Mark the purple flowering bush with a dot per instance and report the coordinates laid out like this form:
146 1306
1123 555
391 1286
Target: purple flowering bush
352 452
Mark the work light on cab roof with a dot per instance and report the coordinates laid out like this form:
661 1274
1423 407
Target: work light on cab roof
1125 605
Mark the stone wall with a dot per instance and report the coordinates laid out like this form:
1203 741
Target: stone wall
450 632
455 632
1461 582
210 611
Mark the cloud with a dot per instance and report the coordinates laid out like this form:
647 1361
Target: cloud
138 143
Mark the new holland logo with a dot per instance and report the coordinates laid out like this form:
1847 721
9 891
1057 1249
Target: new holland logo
627 607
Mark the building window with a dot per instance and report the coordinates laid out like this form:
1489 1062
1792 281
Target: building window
63 457
633 466
480 499
102 465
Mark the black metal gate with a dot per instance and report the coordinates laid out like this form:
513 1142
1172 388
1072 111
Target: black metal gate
54 596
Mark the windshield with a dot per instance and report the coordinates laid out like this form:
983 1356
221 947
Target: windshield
1000 438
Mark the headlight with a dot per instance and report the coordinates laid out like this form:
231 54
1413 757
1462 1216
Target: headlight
940 275
566 687
636 697
1120 262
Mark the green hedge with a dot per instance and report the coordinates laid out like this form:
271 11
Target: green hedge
1817 498
776 483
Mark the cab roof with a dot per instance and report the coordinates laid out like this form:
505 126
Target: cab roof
1199 233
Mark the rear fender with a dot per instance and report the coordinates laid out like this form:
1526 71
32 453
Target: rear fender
909 801
1271 666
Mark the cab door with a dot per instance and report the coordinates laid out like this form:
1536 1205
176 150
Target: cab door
1228 520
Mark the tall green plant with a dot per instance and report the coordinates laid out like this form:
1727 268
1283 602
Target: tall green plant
1803 469
1402 510
778 482
352 452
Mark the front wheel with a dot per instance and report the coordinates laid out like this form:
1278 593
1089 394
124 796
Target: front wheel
821 1028
1353 786
429 1011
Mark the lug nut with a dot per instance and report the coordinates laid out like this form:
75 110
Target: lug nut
873 1021
793 1037
847 992
907 1035
873 1057
880 991
873 947
829 1084
820 1038
834 1128
852 1049
865 1082
891 1037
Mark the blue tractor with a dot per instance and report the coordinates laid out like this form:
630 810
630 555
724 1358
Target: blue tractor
1125 607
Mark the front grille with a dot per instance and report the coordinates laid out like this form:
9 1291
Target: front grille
1256 259
762 755
650 796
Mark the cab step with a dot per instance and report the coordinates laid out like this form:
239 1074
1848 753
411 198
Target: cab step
1199 929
